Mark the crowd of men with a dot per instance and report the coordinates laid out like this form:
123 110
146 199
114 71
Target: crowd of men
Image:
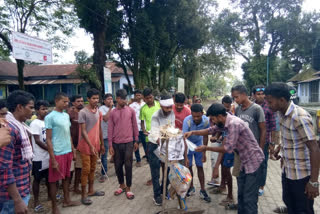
66 144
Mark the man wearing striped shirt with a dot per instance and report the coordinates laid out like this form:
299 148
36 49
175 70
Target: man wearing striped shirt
301 154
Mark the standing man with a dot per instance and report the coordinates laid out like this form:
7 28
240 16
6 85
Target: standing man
15 158
146 114
301 154
197 121
136 106
90 144
105 110
180 110
270 117
40 162
60 149
77 105
123 134
163 116
238 138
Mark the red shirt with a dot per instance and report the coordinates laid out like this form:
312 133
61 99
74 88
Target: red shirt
180 115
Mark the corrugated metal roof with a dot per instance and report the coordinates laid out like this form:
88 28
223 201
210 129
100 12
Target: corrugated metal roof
42 82
310 80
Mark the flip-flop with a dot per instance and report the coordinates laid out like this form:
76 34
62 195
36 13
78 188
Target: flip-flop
86 201
72 204
119 191
38 208
97 193
281 210
231 206
130 195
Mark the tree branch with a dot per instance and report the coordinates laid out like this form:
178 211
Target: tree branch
6 41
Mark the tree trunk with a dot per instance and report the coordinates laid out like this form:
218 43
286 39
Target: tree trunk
99 56
20 66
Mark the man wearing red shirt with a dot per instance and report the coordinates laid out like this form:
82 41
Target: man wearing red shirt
180 110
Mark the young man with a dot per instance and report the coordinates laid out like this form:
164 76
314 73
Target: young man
123 136
270 117
15 158
40 162
136 106
180 110
105 110
146 114
197 121
90 144
300 151
238 138
226 162
77 105
60 149
161 117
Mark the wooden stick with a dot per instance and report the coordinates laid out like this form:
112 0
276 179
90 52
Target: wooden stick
165 177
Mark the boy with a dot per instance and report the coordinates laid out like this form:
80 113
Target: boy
105 110
40 162
122 130
60 149
90 144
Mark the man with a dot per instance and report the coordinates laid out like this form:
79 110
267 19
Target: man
5 138
77 105
136 106
105 110
238 138
89 144
123 136
60 149
15 157
146 114
40 162
301 154
180 110
163 116
270 117
197 121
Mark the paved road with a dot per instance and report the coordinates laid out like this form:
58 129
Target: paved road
143 203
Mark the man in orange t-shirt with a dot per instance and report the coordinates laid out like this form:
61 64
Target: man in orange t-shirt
180 110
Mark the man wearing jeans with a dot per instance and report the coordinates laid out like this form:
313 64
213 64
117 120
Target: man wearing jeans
301 154
238 138
15 158
105 110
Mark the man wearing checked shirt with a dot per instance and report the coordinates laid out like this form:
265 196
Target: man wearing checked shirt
238 138
301 154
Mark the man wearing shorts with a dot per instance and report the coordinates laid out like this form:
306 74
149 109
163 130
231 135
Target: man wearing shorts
60 149
197 121
40 162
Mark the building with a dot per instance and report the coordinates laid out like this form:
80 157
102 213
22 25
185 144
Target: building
44 81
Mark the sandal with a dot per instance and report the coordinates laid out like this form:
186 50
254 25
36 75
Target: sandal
130 195
38 208
102 179
119 191
226 201
86 201
231 206
281 210
97 193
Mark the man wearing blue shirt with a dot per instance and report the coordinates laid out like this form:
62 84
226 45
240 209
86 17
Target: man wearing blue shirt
197 121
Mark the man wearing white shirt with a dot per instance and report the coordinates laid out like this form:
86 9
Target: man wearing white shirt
105 110
136 105
40 162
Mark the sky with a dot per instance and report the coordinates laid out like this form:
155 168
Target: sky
83 41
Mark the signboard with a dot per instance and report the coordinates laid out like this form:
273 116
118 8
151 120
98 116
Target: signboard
107 80
32 49
180 85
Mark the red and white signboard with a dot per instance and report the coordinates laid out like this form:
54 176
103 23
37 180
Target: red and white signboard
31 49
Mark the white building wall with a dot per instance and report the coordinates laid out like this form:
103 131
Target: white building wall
303 92
123 80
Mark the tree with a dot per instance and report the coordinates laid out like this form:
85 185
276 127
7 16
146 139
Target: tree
34 17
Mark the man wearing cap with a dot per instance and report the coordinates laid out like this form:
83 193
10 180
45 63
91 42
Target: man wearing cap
163 116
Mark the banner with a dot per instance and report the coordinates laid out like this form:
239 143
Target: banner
181 85
31 49
107 80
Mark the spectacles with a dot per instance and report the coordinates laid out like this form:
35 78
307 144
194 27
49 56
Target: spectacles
292 92
259 89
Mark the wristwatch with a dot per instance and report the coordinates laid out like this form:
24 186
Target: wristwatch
314 184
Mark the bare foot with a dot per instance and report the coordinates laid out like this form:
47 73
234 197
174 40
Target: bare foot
149 183
71 204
